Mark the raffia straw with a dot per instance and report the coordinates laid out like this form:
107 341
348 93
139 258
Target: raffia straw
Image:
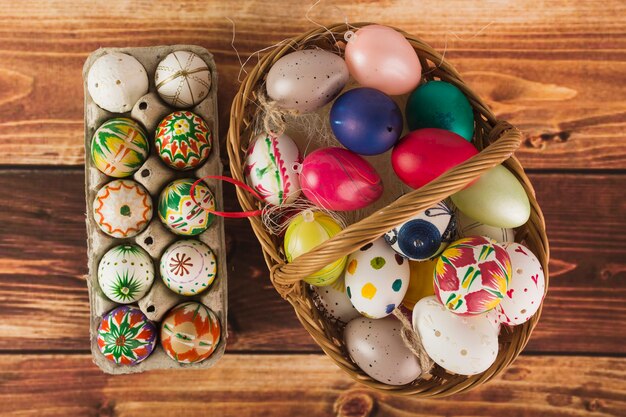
413 341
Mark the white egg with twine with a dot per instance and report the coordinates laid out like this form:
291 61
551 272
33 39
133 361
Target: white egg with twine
182 79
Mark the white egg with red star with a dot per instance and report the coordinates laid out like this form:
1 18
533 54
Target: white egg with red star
188 267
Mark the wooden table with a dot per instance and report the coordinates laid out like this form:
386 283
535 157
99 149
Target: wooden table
556 69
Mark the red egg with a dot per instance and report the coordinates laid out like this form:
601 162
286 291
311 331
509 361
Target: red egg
425 154
338 179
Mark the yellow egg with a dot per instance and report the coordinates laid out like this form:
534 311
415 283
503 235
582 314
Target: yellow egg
420 283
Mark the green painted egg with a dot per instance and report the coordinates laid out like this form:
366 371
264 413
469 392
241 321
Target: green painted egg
180 214
183 140
119 147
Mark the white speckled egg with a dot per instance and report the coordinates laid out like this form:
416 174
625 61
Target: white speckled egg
333 302
466 227
125 273
526 287
465 345
377 279
182 79
116 81
376 346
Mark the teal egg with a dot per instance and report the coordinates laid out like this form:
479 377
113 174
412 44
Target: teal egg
440 105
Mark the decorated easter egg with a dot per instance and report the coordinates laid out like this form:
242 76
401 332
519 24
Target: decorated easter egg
188 267
116 81
126 336
526 288
376 279
337 179
366 121
442 105
376 346
178 211
125 273
472 275
380 57
119 147
122 208
183 140
333 302
270 168
182 79
465 345
190 332
424 235
420 282
306 231
497 199
306 80
467 227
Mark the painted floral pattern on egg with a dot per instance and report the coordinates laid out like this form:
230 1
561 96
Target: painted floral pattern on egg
178 211
119 147
183 140
188 267
126 336
122 208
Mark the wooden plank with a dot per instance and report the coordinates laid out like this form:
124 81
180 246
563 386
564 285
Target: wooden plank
564 84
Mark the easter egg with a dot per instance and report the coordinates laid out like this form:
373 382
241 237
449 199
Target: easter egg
467 227
526 287
366 121
380 57
126 336
441 105
183 140
122 208
420 282
497 199
333 302
376 279
472 275
125 273
119 147
190 332
306 80
180 214
306 231
465 345
182 79
116 81
423 155
188 267
337 179
376 346
269 168
424 235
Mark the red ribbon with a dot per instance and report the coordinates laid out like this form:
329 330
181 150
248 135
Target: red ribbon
236 183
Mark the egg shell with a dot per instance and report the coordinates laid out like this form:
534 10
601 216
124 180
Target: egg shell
188 267
116 81
424 154
337 179
122 208
129 346
526 288
119 147
125 273
497 199
333 302
465 345
180 214
420 282
269 168
376 346
306 80
183 140
182 79
466 227
377 279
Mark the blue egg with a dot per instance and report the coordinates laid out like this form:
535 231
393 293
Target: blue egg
366 121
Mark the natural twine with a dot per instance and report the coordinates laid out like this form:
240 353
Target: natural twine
273 117
413 341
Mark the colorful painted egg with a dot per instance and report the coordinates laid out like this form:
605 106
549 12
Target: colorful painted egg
377 279
306 80
183 140
126 336
467 227
119 147
424 235
190 332
337 179
497 198
465 345
333 302
442 105
376 346
270 168
420 282
182 79
425 154
125 273
306 231
472 275
178 211
526 288
188 267
122 208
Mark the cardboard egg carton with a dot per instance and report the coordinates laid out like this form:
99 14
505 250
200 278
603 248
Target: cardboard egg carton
154 175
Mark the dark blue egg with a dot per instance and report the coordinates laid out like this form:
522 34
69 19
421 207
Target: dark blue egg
366 121
418 239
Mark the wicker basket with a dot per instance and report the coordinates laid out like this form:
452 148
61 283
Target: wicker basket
497 140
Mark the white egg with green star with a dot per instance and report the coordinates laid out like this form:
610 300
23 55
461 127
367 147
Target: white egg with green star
125 273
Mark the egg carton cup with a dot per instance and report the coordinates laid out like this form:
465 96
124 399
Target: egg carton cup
154 175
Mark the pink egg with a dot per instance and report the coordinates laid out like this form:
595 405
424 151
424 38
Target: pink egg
338 179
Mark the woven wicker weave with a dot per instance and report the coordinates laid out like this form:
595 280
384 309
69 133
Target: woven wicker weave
497 140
